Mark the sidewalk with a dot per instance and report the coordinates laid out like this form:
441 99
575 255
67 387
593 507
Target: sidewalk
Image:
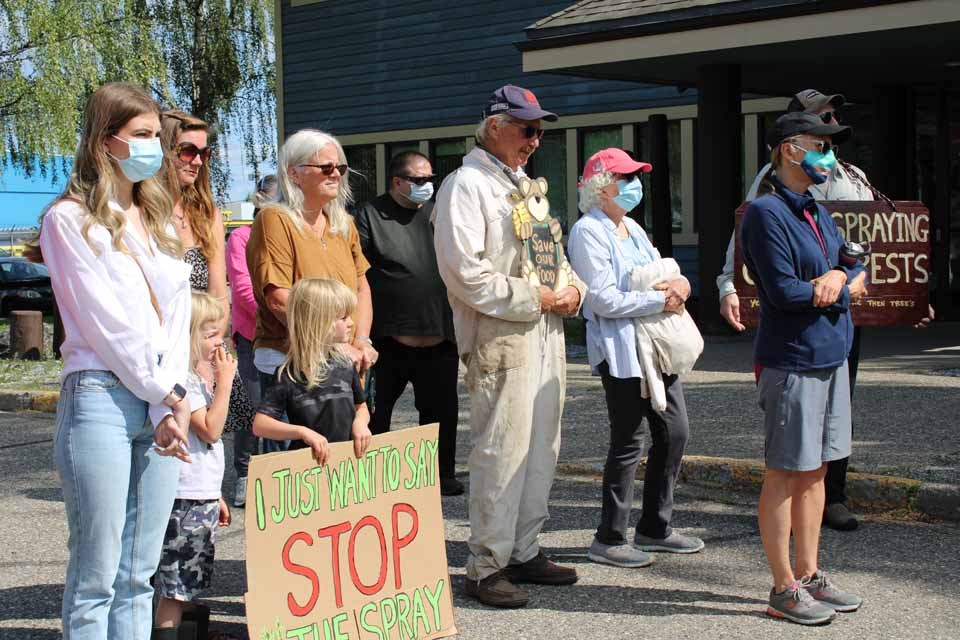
906 453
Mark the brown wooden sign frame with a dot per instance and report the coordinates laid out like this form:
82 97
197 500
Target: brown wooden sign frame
898 271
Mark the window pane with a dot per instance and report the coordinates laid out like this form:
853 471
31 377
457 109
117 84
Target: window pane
593 140
676 170
363 172
447 158
399 147
550 162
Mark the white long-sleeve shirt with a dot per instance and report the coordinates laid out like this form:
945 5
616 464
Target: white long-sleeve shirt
104 301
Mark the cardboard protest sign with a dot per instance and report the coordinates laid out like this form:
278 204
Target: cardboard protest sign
898 271
352 549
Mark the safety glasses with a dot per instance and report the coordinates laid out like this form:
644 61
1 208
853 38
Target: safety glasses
328 168
187 151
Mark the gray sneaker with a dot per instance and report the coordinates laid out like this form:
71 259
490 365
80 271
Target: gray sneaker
797 605
673 543
822 589
619 555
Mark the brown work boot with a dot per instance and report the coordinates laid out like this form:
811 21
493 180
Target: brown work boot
540 570
496 591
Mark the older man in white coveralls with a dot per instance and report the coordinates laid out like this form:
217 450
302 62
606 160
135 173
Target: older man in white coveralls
510 337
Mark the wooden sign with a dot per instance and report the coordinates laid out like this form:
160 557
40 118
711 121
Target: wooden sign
351 549
545 254
898 271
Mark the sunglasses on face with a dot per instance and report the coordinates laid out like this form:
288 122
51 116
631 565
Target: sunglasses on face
327 169
187 151
829 116
418 180
529 131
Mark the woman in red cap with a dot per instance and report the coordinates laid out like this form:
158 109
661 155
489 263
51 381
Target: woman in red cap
605 246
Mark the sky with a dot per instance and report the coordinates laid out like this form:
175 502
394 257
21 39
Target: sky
22 198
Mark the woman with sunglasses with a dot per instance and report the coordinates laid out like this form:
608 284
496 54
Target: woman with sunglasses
791 247
186 140
306 234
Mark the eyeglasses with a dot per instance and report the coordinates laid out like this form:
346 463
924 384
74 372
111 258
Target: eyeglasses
187 151
418 180
328 168
823 146
529 131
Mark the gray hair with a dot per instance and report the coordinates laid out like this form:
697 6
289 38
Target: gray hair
589 191
482 134
300 149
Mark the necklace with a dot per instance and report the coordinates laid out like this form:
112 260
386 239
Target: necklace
182 220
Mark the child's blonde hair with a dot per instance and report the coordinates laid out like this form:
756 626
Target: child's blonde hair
314 305
204 309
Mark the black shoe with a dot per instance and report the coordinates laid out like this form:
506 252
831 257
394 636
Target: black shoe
200 617
497 591
166 633
540 570
450 486
837 516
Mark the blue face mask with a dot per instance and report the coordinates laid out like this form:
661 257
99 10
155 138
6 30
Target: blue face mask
420 193
145 159
818 166
631 193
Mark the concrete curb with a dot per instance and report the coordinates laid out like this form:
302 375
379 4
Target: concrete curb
866 492
17 400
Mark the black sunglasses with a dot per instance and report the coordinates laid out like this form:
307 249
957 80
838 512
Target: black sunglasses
529 131
828 116
328 168
418 180
187 151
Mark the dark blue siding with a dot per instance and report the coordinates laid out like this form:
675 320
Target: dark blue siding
375 65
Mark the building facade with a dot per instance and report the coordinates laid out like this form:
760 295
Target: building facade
388 77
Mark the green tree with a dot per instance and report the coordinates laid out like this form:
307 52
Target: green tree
212 58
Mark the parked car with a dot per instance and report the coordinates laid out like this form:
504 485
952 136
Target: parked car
24 286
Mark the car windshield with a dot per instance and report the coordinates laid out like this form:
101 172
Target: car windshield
23 270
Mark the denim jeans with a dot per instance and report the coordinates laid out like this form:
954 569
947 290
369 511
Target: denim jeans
118 494
245 443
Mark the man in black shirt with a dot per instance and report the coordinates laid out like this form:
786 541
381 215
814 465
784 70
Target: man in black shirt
412 323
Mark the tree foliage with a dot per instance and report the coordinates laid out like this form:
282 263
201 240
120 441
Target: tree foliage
212 58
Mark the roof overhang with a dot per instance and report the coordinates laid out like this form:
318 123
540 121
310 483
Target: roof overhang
853 49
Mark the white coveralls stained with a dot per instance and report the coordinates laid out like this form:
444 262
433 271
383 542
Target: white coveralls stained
515 360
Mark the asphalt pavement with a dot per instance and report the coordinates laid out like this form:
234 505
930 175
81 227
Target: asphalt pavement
906 424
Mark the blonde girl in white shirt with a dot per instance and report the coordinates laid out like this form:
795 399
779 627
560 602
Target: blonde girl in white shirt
123 294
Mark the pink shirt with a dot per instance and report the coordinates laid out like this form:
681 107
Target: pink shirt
241 289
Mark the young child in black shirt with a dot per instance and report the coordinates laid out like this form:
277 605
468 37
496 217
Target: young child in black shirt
317 385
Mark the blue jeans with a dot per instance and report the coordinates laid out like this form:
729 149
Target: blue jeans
118 494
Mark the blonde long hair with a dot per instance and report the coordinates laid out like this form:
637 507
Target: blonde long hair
315 304
196 199
94 175
204 309
299 149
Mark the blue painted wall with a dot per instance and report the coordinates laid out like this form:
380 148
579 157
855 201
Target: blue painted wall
380 65
23 197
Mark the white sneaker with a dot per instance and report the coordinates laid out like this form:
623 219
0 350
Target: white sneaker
240 492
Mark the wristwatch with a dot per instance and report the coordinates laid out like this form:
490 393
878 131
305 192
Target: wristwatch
176 394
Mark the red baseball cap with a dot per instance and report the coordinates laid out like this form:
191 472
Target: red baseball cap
613 160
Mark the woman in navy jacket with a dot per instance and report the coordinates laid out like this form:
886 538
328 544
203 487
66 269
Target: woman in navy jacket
792 249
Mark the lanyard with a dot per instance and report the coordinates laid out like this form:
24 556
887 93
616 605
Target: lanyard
816 232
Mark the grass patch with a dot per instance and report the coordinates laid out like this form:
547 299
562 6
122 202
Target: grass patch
30 374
